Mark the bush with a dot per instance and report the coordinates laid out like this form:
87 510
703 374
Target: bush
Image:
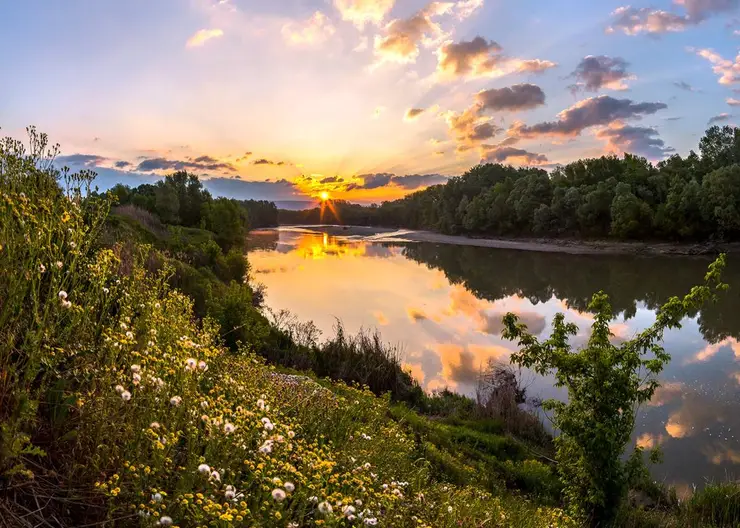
717 505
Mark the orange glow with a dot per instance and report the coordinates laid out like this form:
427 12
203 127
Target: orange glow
324 196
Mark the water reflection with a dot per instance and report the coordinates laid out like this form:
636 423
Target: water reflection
444 303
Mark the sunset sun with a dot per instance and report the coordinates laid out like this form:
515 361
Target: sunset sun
324 196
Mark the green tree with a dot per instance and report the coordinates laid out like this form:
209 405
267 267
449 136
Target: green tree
606 383
631 217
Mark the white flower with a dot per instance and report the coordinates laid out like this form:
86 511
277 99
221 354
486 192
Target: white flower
202 365
230 493
204 405
371 521
313 498
325 507
175 400
289 487
125 395
204 418
350 518
278 495
72 244
135 368
449 509
42 268
165 520
261 404
66 305
204 469
229 428
58 264
266 448
105 290
215 475
157 305
190 363
120 389
157 497
154 425
348 510
137 379
130 335
291 434
358 502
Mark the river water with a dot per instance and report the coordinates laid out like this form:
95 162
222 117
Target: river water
443 303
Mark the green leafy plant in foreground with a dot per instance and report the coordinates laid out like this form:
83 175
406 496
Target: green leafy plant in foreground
606 383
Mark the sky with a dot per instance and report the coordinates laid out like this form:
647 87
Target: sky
367 100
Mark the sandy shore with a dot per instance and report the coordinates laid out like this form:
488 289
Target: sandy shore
547 245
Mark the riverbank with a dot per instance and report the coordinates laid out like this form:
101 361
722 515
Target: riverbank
545 245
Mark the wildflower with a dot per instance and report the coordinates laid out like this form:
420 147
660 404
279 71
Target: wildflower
58 264
72 244
204 405
229 428
291 434
278 495
125 395
358 502
190 363
157 497
154 425
42 268
129 335
202 365
266 448
157 306
165 521
313 498
289 487
371 521
136 379
325 508
449 509
135 368
120 389
175 401
204 469
348 510
105 290
66 305
350 518
230 492
215 475
204 418
261 404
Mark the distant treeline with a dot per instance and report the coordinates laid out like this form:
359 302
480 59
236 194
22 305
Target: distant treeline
181 199
691 198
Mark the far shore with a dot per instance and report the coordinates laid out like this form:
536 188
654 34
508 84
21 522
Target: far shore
547 245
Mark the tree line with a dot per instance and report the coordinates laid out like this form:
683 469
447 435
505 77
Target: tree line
180 199
690 198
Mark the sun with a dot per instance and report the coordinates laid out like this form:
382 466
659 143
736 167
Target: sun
324 196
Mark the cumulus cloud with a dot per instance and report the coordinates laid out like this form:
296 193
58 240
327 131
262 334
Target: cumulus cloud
482 58
511 98
638 140
316 29
87 160
202 36
595 72
403 36
728 71
719 118
413 113
122 164
634 21
732 101
202 163
408 182
466 8
361 12
470 128
601 110
256 190
513 155
331 179
685 86
263 161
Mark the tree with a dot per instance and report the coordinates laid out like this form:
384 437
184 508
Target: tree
606 384
167 204
631 217
720 147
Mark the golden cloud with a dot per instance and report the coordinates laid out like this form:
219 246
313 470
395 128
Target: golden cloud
202 36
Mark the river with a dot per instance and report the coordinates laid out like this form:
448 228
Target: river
443 303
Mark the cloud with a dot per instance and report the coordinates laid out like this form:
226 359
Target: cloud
263 161
719 118
633 21
728 71
202 36
601 110
470 128
122 164
482 58
403 36
595 72
408 182
513 155
374 181
87 160
256 190
512 98
732 101
492 323
331 179
463 364
361 12
466 8
416 314
637 140
202 163
685 86
315 30
413 113
382 320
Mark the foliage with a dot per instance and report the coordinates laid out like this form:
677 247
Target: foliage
605 384
689 199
